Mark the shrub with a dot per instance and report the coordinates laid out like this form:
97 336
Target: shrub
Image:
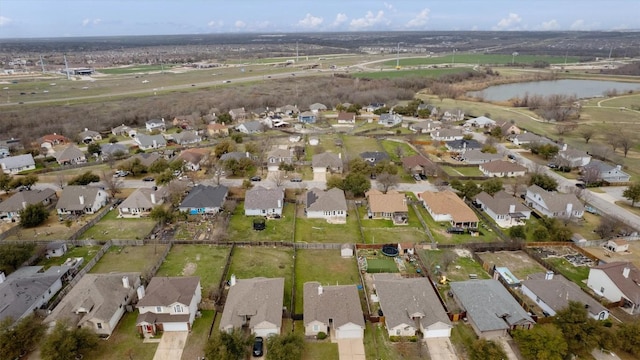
321 336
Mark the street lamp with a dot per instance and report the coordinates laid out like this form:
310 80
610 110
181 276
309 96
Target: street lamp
453 57
513 57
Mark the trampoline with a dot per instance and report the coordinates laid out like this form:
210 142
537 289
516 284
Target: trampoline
390 250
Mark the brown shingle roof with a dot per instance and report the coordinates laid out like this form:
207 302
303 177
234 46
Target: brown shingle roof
391 202
628 285
501 166
416 160
446 202
340 303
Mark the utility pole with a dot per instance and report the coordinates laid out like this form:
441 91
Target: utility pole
66 66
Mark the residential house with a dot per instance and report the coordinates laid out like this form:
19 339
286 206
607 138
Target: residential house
287 110
478 157
274 122
215 129
17 164
141 202
203 199
55 249
277 156
447 206
452 115
375 157
307 117
617 282
490 309
501 168
346 117
481 122
418 164
330 205
260 201
78 200
321 163
572 158
447 135
617 245
97 302
155 125
168 304
410 305
238 114
51 140
462 146
4 151
236 155
28 289
146 159
503 208
552 293
554 204
333 310
124 130
88 136
389 119
425 127
147 142
186 122
113 150
193 158
374 106
527 138
250 127
609 173
508 128
390 206
187 137
255 304
11 144
70 155
317 107
11 207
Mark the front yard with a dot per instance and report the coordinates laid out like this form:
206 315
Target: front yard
241 226
110 227
199 336
129 259
124 343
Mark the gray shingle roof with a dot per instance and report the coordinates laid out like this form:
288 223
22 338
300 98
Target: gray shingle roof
464 144
558 291
68 153
19 161
326 200
70 198
164 291
108 149
259 298
203 196
147 140
237 155
262 198
477 155
340 303
30 197
500 202
376 155
326 160
141 198
252 126
628 285
489 304
555 201
146 159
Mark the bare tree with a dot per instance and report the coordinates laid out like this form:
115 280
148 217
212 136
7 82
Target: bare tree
587 134
278 178
590 175
112 184
613 140
175 191
626 141
387 181
565 128
448 257
61 180
607 227
399 151
519 184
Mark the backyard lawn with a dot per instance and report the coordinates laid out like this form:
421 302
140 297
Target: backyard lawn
241 226
85 252
462 171
382 231
324 266
377 346
249 262
197 340
124 343
391 147
359 144
320 231
205 261
110 227
129 259
577 274
467 265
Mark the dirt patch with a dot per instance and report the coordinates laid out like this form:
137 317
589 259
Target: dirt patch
189 269
462 253
518 262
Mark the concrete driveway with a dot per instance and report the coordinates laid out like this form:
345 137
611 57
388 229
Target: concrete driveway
351 349
441 349
171 345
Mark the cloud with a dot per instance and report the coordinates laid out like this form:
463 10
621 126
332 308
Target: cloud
87 22
240 24
420 20
310 21
511 22
215 24
578 25
368 21
549 25
5 21
389 7
340 19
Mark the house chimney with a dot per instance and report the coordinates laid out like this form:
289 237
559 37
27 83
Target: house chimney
626 271
162 119
81 198
247 154
125 282
279 203
24 204
548 275
619 167
2 277
340 155
232 281
512 208
320 290
155 144
569 208
140 292
153 198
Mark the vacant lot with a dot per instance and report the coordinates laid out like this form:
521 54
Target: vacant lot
319 230
241 226
249 262
110 227
397 149
324 266
462 171
409 73
129 259
205 261
518 262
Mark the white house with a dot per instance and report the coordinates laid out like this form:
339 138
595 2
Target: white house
260 201
155 124
389 119
503 208
141 202
146 142
346 250
168 304
78 200
501 168
70 155
617 245
554 204
481 121
617 281
17 164
572 158
55 249
334 310
330 205
447 134
609 173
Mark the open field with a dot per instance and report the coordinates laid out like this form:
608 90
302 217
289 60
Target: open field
462 171
241 227
135 69
481 59
205 261
324 266
410 73
129 259
124 343
318 230
518 262
85 252
357 144
391 148
112 227
199 335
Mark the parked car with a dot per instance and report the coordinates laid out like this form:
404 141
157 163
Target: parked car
296 179
256 178
423 176
417 177
258 347
148 178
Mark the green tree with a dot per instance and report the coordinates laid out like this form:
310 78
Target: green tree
94 148
18 339
358 165
386 167
5 181
14 255
162 214
482 349
134 166
517 232
335 181
544 181
85 179
33 215
224 147
543 342
237 137
628 336
496 132
540 234
158 166
285 347
581 332
29 180
65 343
165 177
632 193
357 184
492 186
113 139
225 118
489 149
228 346
470 189
176 165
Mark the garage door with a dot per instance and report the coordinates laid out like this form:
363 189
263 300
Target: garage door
266 332
349 334
437 333
175 326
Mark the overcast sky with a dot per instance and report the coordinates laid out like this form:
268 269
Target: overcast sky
57 18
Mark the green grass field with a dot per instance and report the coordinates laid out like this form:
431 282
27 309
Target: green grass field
134 69
324 266
320 351
241 226
577 274
124 343
480 59
461 171
129 259
393 74
357 144
85 252
110 227
391 146
381 265
199 336
318 230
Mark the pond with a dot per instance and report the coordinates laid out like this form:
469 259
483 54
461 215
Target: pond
579 88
